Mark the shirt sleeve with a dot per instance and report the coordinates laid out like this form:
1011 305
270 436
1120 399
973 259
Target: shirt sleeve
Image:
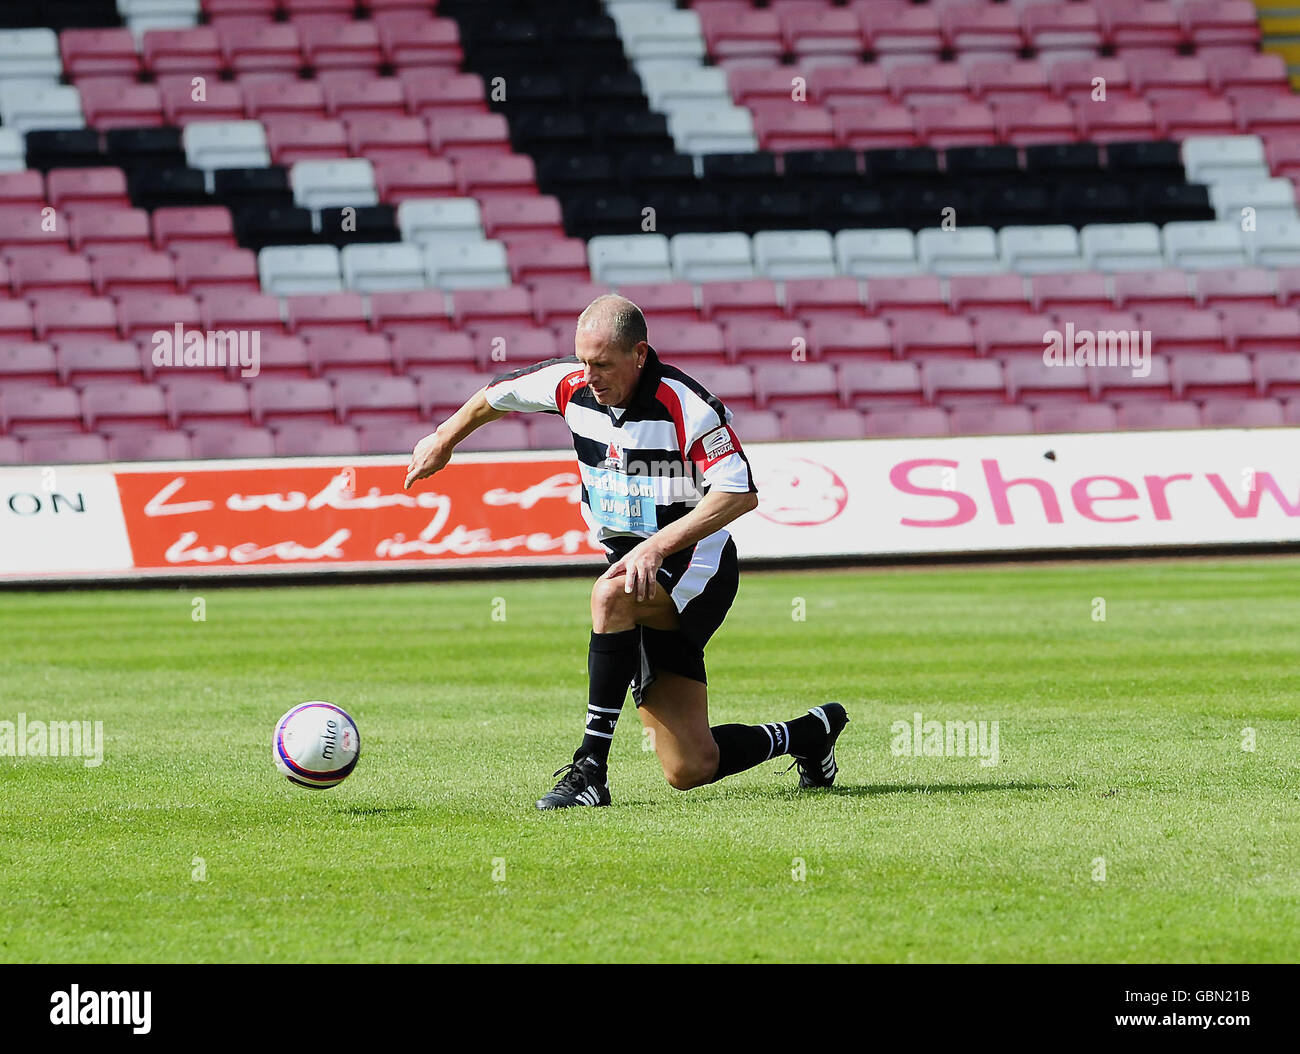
543 387
712 444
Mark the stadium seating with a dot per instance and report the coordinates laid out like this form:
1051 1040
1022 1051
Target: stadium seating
912 194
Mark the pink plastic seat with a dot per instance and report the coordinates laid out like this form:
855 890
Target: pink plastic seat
729 301
232 443
505 308
1136 290
374 400
98 53
112 103
82 359
1152 23
1075 417
343 353
904 295
144 314
98 230
800 423
920 337
502 349
781 385
851 340
694 341
832 86
150 446
872 126
1121 383
65 449
1068 292
77 188
274 401
754 339
366 99
51 272
1253 332
549 432
208 226
422 45
267 100
823 299
202 271
664 301
991 420
870 385
974 27
793 126
1062 27
56 316
194 51
400 140
1242 413
219 101
900 422
293 139
1031 380
330 314
393 438
532 216
951 382
1147 416
487 176
415 348
112 407
418 310
444 389
191 403
470 134
442 91
30 362
261 48
892 28
929 84
734 385
555 302
730 33
120 273
345 45
23 189
549 260
1198 376
818 31
1176 331
988 294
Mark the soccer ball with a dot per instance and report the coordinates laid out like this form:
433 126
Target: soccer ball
316 744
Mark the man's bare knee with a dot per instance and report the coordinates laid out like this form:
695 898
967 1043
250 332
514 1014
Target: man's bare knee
611 606
687 773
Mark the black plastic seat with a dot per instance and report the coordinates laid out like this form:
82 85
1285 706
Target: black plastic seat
825 170
368 223
754 211
1011 205
144 147
64 148
1172 202
258 226
756 172
239 187
1143 160
689 211
156 188
590 215
563 171
902 165
1079 204
1048 160
836 210
660 171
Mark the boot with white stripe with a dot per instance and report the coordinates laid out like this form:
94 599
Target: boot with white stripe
819 769
585 782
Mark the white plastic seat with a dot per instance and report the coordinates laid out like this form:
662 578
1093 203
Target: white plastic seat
440 219
669 87
27 104
712 129
383 267
466 264
333 184
622 258
1122 247
660 32
13 150
712 257
1193 246
141 15
1040 249
225 144
888 251
794 254
1219 158
288 269
30 54
1272 200
966 250
1275 244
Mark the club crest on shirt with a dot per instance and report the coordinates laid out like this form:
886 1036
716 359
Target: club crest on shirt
613 458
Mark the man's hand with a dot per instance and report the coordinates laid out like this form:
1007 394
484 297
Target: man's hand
641 566
430 455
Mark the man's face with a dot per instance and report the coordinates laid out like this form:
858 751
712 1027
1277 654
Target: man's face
610 372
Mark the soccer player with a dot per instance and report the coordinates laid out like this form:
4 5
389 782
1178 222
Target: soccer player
650 441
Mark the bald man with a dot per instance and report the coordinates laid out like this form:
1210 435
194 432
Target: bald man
663 474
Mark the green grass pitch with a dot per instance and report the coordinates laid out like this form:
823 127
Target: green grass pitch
1124 820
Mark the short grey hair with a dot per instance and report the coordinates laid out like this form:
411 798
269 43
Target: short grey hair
617 316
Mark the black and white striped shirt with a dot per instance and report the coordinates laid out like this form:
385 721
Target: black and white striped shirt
644 465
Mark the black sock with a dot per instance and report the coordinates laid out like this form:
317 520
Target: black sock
741 747
611 663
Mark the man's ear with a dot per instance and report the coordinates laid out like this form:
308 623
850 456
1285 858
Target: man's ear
642 349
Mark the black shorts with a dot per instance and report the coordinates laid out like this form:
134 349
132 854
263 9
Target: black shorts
702 580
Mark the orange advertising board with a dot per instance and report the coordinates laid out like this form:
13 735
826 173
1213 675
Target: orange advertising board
311 515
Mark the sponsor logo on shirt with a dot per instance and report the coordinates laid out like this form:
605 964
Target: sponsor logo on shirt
718 444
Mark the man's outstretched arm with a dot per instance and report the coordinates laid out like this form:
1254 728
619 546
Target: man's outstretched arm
432 453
